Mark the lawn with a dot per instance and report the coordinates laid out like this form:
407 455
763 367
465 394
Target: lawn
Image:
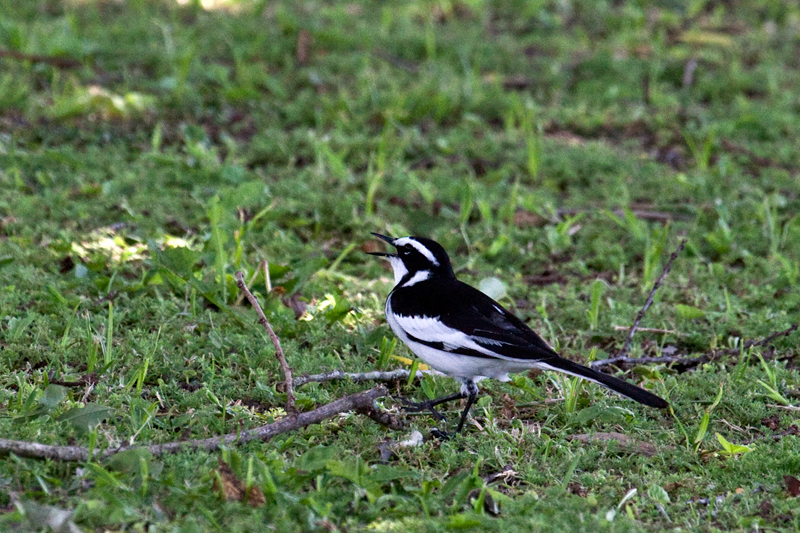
560 152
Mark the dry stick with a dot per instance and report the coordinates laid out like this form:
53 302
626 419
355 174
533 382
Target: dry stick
252 279
262 319
688 360
642 214
60 62
648 330
622 355
650 297
336 375
361 402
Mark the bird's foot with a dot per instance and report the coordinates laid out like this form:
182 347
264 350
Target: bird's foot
440 434
419 407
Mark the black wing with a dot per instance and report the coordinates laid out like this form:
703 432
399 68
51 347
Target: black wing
466 309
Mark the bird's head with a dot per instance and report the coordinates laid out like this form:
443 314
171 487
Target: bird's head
416 259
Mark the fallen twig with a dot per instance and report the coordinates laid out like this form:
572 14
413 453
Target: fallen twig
786 407
337 375
642 214
645 448
648 330
60 62
623 362
622 354
791 431
262 319
650 297
384 418
397 62
358 402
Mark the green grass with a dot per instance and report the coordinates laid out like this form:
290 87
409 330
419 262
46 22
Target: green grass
155 149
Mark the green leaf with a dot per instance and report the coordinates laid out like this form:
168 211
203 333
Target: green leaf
463 521
244 195
84 419
658 494
179 260
315 459
53 395
497 246
104 478
132 461
687 311
701 432
383 473
47 518
730 448
428 386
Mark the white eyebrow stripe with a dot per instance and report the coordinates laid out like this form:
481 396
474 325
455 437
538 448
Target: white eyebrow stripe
419 247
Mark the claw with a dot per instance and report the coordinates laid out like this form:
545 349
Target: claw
438 434
418 407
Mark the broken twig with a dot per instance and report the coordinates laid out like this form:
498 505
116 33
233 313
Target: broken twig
338 375
56 61
262 319
627 346
648 330
682 359
358 402
644 448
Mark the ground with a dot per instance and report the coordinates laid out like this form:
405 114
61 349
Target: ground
560 151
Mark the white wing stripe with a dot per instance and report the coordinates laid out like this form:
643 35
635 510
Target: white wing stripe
431 329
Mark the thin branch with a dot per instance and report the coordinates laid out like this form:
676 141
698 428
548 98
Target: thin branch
648 330
60 62
791 431
355 402
642 214
337 375
786 407
683 359
649 300
249 283
764 341
397 62
645 448
262 319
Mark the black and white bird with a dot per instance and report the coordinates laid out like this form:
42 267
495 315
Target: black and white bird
461 332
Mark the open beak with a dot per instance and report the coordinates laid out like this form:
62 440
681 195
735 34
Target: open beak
385 239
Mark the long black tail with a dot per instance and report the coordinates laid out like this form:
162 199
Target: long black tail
617 385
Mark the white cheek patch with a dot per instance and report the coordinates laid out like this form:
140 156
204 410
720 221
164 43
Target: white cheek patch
399 269
422 275
419 247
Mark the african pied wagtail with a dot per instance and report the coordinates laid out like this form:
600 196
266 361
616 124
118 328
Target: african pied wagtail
463 333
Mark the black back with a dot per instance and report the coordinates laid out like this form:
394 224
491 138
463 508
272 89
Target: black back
465 308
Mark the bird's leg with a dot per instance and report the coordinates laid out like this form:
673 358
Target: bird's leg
471 393
430 405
